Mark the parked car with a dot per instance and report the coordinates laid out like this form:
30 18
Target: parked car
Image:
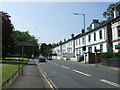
49 58
42 59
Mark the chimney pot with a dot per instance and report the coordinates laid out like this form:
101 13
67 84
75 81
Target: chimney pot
72 35
83 31
95 23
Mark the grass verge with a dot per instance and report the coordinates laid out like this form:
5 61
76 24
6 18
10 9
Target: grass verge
9 66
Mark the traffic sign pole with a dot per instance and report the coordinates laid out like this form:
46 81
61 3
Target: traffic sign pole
25 44
22 58
19 62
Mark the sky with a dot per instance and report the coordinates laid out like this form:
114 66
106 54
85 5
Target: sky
51 22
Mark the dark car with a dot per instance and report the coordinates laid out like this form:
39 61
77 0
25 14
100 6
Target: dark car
49 58
42 59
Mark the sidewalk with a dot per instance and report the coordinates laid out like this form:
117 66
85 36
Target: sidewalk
31 77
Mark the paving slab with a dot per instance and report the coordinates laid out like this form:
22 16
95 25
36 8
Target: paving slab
31 77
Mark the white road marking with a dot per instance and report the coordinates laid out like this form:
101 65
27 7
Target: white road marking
82 73
55 63
109 82
64 67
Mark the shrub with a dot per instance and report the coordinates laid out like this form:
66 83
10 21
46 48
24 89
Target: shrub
110 55
107 55
116 55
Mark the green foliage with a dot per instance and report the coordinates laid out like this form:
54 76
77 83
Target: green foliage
103 22
25 37
111 55
9 69
7 28
45 49
55 45
109 13
90 27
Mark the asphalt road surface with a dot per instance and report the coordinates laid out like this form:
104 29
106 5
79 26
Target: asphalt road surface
77 75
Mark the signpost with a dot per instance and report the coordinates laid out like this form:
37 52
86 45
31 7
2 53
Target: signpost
24 44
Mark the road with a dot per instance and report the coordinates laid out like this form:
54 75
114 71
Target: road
66 74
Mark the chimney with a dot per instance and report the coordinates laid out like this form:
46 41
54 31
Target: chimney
116 12
60 42
95 23
64 40
72 35
83 31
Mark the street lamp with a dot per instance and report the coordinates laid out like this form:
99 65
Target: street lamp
84 29
38 41
83 17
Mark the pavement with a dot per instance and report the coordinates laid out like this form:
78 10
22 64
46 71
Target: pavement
31 78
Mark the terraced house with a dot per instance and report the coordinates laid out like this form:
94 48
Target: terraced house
102 38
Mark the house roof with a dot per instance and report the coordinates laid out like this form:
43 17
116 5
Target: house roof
80 35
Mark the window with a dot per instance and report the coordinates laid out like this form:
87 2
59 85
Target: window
83 40
118 30
79 41
94 36
76 43
76 51
89 38
100 34
90 49
68 50
101 48
79 51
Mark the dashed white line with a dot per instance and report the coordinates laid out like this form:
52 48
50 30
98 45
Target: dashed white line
82 73
64 67
109 82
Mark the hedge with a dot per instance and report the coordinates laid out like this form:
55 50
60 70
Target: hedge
110 55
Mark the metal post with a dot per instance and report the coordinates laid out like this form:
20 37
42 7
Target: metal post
22 58
84 20
32 53
19 62
95 57
84 36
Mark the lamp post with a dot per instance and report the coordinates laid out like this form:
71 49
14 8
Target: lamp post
83 17
84 29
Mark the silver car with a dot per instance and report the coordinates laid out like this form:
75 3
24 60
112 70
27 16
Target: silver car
42 59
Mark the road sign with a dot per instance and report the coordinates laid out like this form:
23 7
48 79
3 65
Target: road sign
117 46
26 44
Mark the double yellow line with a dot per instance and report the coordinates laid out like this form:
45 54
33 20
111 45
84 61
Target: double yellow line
49 81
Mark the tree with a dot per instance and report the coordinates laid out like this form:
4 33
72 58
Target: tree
25 37
109 13
46 50
90 27
7 28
